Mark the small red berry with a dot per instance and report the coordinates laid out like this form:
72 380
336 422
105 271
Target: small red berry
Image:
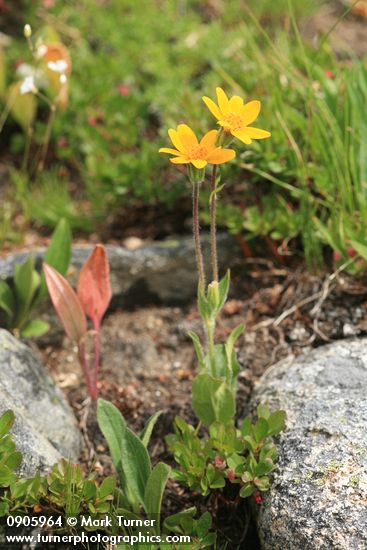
258 498
329 74
351 252
337 256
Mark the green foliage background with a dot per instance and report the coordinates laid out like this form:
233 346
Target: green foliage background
142 67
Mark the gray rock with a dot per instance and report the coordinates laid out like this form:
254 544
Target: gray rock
164 272
318 500
45 428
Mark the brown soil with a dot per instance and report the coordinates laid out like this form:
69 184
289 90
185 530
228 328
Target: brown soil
349 37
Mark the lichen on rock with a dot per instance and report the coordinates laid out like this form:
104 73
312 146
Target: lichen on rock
319 496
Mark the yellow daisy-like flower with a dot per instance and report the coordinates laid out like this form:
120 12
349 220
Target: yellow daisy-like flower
190 150
235 116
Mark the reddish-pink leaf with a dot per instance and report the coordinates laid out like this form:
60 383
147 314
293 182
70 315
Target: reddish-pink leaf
93 289
66 303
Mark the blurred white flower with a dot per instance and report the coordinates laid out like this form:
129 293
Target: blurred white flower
63 79
41 51
28 86
59 66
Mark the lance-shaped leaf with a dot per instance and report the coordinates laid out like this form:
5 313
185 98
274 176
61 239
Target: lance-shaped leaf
66 303
93 289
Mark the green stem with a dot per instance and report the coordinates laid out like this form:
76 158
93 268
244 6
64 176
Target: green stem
196 231
210 329
27 148
213 231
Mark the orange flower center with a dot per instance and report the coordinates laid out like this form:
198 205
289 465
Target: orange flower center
198 152
234 120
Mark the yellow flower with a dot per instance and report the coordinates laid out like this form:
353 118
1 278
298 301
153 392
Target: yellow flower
190 150
234 116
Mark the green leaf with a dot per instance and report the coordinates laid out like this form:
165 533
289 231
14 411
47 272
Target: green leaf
263 483
35 328
212 400
149 427
264 467
203 525
263 411
235 334
136 464
276 422
26 282
246 491
246 426
89 490
128 453
223 289
260 429
23 107
7 420
175 522
2 73
7 477
58 253
198 347
14 460
107 487
7 302
203 305
154 492
360 248
113 427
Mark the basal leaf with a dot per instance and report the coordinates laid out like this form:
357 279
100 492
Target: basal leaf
66 303
93 288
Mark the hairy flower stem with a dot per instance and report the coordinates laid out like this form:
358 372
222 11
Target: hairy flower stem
213 229
196 231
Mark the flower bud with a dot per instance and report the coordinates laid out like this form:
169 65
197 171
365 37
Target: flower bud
219 463
213 295
27 31
231 474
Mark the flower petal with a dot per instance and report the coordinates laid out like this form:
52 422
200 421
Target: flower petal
198 163
219 156
236 104
186 135
251 110
213 107
179 160
208 140
175 139
242 136
169 151
256 133
222 100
